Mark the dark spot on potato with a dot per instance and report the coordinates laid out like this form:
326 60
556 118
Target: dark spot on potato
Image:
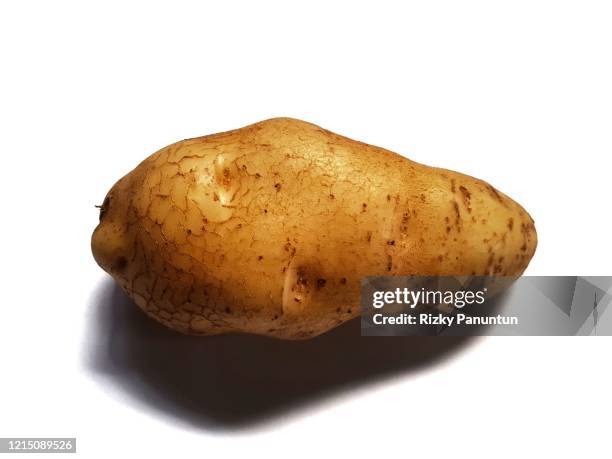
275 317
440 258
493 192
120 263
405 221
331 196
510 223
260 257
369 236
321 283
277 186
215 197
343 280
457 214
453 185
188 231
297 300
448 229
391 242
524 247
389 262
349 311
265 211
465 193
257 175
228 310
388 197
422 197
364 207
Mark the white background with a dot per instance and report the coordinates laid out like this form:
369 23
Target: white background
517 93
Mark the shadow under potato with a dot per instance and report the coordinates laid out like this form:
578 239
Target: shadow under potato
237 381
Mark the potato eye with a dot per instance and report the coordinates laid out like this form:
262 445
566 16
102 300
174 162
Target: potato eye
104 207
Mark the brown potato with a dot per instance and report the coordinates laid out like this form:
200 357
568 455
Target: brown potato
269 229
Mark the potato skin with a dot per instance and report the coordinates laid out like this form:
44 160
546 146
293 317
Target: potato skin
269 229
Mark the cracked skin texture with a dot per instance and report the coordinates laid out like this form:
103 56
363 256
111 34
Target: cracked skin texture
269 229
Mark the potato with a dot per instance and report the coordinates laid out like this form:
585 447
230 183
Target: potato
269 229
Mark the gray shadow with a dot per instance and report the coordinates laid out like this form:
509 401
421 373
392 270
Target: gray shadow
232 382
